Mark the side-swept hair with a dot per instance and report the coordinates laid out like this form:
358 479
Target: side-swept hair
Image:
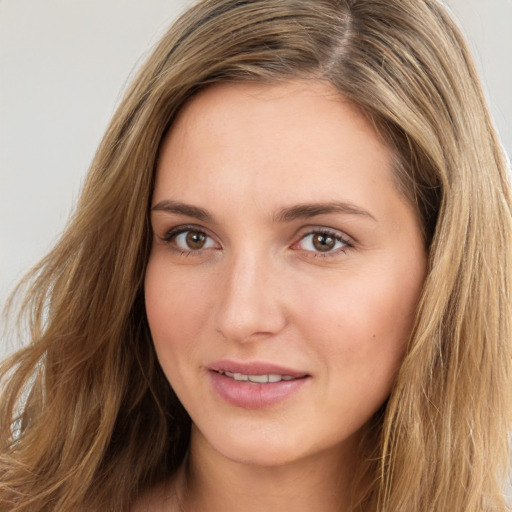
87 418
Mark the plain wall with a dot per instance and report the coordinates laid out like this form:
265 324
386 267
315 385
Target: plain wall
63 66
488 27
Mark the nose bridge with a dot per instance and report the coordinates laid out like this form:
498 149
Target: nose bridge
250 304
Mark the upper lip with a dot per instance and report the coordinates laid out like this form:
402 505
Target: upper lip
254 368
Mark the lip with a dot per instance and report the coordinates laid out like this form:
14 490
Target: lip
254 368
249 395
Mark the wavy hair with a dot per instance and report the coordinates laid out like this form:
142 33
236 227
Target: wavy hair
87 418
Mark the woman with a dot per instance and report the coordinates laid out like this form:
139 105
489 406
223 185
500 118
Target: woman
287 281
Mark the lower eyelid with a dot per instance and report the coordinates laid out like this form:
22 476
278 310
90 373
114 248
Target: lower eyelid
170 239
173 233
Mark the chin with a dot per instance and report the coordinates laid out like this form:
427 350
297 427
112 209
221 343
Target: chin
268 456
263 447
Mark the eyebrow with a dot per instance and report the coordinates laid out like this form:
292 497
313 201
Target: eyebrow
307 210
288 214
179 208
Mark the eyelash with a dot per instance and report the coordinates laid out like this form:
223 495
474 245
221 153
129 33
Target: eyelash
337 236
345 240
179 230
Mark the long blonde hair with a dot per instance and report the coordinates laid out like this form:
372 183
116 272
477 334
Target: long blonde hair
87 418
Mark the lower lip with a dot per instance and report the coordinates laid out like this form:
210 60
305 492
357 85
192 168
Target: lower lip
250 395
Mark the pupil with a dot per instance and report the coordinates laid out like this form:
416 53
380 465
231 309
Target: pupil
195 240
323 243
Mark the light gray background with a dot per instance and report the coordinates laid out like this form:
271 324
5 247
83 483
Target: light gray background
63 67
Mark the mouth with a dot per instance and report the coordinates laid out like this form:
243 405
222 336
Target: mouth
265 378
255 385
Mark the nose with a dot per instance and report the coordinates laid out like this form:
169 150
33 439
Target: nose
250 305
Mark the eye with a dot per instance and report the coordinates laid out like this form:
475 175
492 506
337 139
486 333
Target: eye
323 242
186 239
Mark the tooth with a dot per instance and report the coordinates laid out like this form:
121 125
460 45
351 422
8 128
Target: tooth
274 378
240 376
260 379
229 374
287 377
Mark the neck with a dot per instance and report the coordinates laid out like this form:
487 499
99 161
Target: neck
214 483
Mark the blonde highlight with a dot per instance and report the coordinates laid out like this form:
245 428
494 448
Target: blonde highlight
74 426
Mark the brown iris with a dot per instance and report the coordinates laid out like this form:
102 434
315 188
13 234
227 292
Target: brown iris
195 239
323 242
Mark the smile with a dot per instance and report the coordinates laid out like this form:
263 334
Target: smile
257 379
255 385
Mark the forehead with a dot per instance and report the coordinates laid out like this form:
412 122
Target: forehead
300 137
287 112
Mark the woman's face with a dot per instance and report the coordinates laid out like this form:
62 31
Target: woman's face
285 270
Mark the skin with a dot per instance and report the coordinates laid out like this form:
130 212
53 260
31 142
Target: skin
259 289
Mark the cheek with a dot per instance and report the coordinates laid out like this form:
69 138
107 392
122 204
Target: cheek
176 310
361 321
356 306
